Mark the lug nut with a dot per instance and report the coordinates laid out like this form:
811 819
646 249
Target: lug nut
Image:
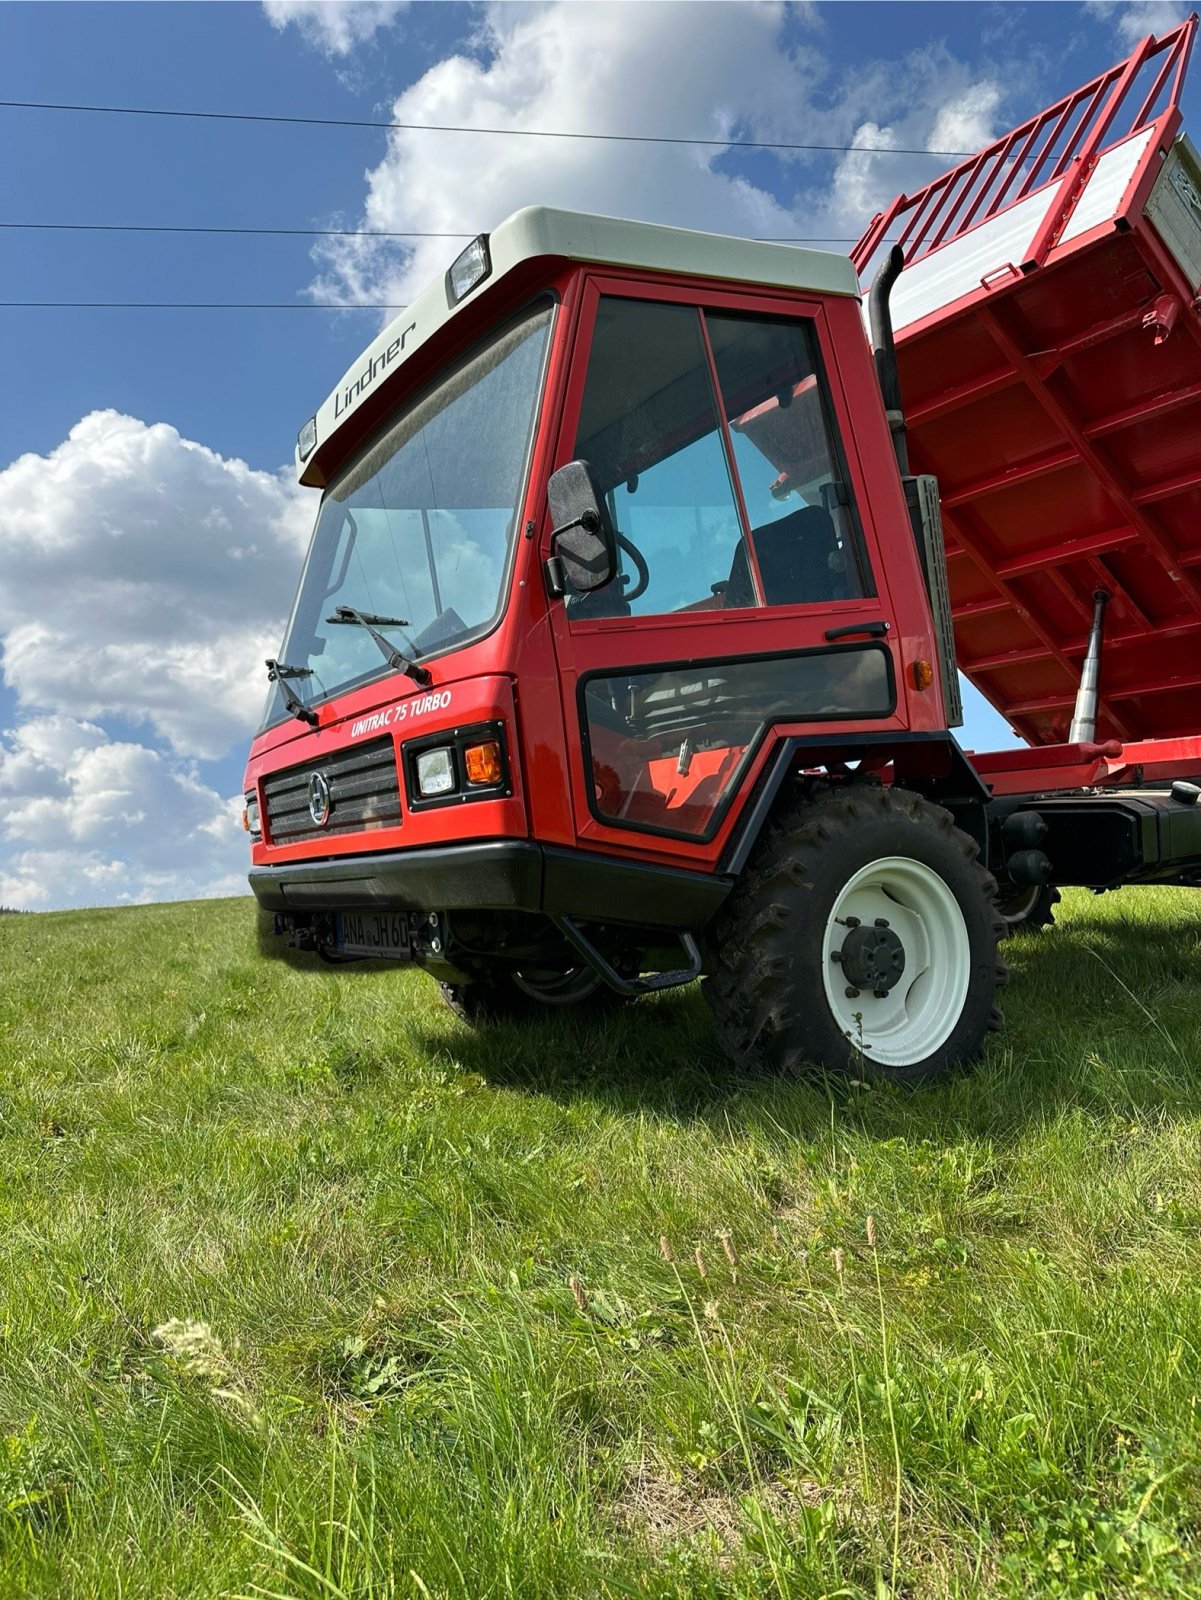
881 922
835 955
852 922
880 994
852 994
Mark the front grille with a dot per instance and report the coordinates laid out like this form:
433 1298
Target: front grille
364 793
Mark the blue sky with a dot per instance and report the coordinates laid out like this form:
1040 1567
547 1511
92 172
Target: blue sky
149 534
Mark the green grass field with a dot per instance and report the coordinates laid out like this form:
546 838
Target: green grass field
307 1290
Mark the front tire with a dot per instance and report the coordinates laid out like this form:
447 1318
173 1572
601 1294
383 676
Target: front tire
861 939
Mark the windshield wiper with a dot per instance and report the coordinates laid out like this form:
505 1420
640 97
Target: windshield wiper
279 672
394 658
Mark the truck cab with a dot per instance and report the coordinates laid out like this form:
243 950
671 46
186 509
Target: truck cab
613 561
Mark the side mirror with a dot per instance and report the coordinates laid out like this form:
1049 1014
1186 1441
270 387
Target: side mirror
583 545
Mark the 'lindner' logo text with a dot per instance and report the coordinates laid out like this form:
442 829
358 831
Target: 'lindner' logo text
345 398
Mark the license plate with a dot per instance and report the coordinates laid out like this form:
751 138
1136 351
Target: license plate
374 933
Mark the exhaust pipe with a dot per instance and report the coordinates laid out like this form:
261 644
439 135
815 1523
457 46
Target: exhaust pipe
1084 716
885 351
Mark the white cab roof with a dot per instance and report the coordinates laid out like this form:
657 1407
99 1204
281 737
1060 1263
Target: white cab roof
576 236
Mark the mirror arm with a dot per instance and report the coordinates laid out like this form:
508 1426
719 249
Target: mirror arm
588 520
556 578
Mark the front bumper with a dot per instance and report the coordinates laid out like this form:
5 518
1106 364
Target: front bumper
498 875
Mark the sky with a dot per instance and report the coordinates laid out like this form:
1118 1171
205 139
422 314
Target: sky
151 531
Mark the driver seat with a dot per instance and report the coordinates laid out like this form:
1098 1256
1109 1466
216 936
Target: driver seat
800 562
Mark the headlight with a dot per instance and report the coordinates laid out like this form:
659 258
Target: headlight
250 817
468 270
456 766
435 772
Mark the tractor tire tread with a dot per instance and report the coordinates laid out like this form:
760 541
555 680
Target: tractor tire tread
748 942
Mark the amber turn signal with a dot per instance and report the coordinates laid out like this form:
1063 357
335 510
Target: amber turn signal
483 762
923 674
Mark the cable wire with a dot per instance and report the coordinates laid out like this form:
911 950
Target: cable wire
156 227
188 305
447 127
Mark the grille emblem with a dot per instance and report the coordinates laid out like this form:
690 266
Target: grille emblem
319 799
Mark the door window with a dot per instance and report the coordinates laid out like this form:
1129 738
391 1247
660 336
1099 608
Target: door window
649 430
667 746
797 499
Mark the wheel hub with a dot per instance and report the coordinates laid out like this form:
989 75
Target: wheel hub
926 982
873 958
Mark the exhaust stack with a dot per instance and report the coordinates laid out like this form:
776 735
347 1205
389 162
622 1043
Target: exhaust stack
885 351
1084 716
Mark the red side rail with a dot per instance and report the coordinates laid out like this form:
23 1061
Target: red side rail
1048 329
1060 145
1055 768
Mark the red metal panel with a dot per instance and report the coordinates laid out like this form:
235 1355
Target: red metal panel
1059 403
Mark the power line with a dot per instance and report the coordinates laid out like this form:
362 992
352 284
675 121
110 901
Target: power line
188 305
329 233
447 127
154 227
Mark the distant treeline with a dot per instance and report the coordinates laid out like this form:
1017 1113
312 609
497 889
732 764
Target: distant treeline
12 911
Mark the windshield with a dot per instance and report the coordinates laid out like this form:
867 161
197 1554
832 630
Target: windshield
418 532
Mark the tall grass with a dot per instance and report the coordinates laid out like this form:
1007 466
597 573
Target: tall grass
307 1290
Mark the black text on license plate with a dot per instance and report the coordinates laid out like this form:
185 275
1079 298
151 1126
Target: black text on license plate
374 933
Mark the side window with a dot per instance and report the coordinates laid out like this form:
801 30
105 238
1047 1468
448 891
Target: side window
649 430
666 747
797 499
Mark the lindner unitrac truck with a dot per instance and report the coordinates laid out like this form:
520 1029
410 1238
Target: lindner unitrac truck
624 653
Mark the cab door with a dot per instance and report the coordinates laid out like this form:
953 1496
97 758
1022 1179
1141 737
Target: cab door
745 597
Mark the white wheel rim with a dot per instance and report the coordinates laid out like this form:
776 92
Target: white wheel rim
919 1013
565 989
1018 907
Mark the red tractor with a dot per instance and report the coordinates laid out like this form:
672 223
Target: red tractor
624 655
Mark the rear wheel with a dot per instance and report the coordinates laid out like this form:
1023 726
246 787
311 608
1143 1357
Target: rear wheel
1033 907
498 997
861 939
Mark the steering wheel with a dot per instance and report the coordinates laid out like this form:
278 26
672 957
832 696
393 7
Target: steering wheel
640 567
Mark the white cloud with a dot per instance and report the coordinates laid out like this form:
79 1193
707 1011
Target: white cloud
929 101
145 579
968 120
614 68
1132 20
89 819
334 26
710 70
145 576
